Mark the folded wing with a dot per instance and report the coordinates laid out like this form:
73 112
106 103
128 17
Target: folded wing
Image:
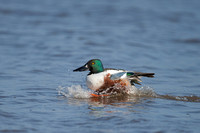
134 77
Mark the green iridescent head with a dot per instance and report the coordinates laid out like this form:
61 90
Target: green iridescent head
94 66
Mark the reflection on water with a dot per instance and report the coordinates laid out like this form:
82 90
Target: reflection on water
76 95
192 98
120 104
111 108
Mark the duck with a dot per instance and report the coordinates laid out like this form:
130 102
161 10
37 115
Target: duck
109 81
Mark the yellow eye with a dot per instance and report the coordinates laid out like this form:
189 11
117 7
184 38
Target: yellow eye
93 63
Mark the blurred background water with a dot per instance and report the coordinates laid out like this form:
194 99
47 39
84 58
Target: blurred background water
41 42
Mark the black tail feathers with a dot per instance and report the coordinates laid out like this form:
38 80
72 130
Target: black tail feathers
151 75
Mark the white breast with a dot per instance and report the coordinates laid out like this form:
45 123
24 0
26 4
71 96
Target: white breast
95 81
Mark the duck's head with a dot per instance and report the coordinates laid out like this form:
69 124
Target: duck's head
94 66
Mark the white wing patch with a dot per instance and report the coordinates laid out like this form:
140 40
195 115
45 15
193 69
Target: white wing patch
118 75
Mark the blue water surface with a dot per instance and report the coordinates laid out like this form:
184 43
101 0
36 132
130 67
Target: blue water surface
42 42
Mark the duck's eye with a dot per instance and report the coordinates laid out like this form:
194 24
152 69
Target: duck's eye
93 63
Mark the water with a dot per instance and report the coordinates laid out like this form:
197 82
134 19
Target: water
41 42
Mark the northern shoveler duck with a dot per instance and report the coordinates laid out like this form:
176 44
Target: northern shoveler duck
109 81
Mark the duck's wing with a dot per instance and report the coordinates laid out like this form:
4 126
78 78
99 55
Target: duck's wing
117 75
135 77
131 73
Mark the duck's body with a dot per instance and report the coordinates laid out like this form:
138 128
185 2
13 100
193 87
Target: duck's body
95 81
104 81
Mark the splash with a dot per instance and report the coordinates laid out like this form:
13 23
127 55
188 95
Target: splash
75 91
144 91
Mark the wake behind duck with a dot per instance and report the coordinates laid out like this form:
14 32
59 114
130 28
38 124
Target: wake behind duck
106 82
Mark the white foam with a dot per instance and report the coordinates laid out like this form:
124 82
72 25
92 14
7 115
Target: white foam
143 91
75 91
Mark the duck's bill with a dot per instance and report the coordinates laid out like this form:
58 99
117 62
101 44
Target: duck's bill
83 68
